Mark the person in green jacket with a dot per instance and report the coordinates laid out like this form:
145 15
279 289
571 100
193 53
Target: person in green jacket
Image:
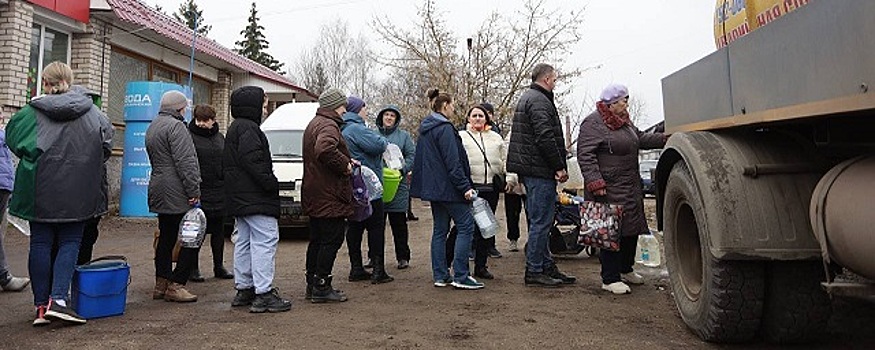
388 120
62 140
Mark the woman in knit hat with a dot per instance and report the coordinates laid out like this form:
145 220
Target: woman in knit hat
607 151
326 194
174 187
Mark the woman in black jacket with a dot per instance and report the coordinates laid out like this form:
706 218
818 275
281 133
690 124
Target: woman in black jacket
209 144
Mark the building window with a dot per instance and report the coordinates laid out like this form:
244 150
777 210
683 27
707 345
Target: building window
201 91
46 46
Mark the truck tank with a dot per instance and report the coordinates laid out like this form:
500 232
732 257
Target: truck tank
734 19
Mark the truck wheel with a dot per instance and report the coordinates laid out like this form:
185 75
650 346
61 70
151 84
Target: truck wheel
797 308
720 300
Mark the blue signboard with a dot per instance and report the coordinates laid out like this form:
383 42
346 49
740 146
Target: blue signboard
142 104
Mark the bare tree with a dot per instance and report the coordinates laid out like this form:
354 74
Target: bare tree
495 65
339 60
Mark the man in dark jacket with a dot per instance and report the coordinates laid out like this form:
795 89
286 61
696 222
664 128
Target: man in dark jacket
537 154
252 197
326 194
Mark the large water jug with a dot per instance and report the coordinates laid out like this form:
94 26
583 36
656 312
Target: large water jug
484 217
193 228
648 253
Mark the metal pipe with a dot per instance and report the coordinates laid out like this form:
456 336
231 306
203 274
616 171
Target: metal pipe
757 170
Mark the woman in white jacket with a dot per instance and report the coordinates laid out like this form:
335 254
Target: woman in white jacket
485 149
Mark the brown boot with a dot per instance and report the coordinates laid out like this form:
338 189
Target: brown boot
160 288
176 292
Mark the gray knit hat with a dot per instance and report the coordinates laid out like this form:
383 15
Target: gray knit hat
332 98
173 100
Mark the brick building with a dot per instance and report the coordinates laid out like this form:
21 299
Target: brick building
109 43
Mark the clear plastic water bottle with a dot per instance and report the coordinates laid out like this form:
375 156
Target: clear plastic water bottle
193 228
484 217
648 253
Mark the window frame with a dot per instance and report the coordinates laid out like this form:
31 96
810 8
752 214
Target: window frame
40 61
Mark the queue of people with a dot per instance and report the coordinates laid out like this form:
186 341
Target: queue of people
195 165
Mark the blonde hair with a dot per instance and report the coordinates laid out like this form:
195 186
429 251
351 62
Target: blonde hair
59 76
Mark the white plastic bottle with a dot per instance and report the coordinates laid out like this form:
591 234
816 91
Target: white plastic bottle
648 253
193 228
484 217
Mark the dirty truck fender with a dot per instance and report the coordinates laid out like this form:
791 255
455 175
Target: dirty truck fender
758 215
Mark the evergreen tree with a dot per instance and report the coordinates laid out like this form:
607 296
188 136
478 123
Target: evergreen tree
187 13
254 45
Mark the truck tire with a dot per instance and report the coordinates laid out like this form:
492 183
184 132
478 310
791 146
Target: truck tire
797 308
721 301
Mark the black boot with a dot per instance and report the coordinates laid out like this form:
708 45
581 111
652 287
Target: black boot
309 293
553 272
483 272
323 292
380 275
270 302
358 273
195 275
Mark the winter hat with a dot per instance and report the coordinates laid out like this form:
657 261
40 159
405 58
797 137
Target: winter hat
488 107
173 100
614 93
247 102
354 104
332 98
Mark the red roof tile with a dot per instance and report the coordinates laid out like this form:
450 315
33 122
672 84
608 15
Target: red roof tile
137 13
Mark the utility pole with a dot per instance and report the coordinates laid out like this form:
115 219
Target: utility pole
468 89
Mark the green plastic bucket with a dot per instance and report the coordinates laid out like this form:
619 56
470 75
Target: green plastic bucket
391 180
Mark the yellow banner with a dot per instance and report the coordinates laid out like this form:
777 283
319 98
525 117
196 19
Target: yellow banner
736 18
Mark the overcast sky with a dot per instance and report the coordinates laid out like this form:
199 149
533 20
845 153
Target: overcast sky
635 42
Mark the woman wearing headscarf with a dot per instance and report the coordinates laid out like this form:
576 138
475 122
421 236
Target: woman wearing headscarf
62 140
442 176
209 144
174 187
607 151
484 148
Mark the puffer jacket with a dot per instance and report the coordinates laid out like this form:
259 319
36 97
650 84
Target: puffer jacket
441 172
62 142
365 145
483 167
176 176
513 180
402 139
251 188
536 148
209 145
326 192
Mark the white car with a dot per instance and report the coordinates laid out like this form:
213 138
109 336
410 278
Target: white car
284 129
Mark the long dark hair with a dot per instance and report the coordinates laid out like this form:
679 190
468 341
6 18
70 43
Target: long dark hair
438 99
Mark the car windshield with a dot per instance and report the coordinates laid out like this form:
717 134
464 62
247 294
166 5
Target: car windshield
645 166
285 143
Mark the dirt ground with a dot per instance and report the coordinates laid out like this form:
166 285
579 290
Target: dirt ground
406 314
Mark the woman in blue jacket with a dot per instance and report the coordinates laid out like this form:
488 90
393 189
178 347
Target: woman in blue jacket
442 175
388 120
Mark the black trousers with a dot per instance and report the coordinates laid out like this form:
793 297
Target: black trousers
401 235
168 226
481 245
89 238
217 239
615 263
376 226
513 206
326 237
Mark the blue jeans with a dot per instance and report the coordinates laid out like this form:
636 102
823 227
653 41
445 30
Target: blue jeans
540 211
254 252
46 277
461 215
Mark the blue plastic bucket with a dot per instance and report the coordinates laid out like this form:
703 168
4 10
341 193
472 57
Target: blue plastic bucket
100 287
